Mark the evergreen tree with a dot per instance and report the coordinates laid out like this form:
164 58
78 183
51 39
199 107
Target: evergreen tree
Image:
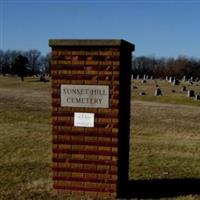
20 66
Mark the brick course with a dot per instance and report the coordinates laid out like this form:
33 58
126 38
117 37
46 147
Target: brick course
87 160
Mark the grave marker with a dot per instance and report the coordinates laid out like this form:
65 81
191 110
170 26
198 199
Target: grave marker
190 93
183 88
197 97
176 82
158 92
184 78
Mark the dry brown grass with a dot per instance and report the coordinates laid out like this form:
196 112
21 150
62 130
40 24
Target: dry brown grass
163 137
164 141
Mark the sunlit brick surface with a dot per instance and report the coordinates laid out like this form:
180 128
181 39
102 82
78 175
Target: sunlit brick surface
86 160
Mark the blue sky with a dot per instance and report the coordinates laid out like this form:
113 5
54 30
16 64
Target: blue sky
157 27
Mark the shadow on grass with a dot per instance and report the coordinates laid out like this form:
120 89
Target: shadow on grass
155 188
37 80
159 188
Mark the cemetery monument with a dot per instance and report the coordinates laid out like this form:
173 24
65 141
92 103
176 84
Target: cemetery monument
90 116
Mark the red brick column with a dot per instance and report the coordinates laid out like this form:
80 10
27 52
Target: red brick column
86 160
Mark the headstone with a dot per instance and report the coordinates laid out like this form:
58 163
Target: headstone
144 77
170 79
166 78
43 78
132 77
91 82
151 77
176 82
190 93
184 78
142 93
138 77
135 87
183 89
190 82
158 92
197 97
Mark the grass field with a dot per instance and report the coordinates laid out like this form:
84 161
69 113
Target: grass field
164 143
165 133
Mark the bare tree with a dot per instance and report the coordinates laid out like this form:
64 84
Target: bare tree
45 63
33 59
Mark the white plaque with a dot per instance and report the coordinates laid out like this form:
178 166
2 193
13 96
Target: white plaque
85 96
83 119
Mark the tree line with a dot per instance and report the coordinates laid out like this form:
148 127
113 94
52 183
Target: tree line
24 63
162 67
32 62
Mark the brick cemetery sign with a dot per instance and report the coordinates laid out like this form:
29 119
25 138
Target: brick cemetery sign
90 96
90 116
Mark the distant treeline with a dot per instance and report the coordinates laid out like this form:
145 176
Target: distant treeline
161 67
30 62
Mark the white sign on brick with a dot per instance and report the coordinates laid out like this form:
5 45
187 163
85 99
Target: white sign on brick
85 96
83 119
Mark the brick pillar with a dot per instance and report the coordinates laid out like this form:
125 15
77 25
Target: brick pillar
90 81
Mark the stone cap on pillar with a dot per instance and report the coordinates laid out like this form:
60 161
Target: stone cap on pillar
91 42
